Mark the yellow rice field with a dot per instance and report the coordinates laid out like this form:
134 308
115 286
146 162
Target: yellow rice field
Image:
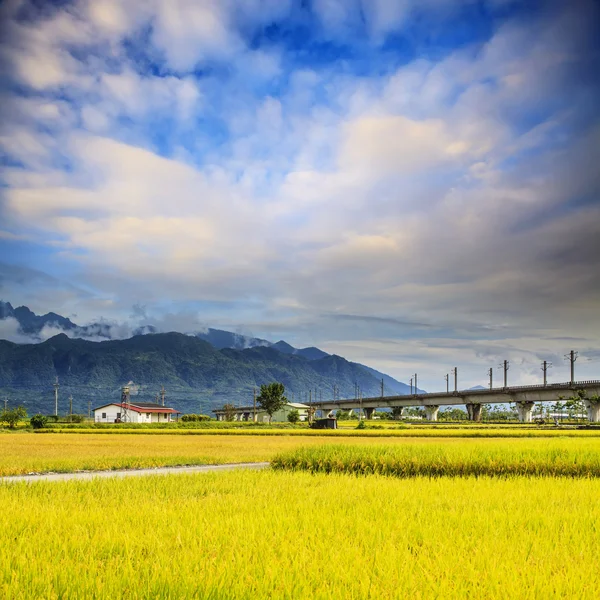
295 535
28 452
372 431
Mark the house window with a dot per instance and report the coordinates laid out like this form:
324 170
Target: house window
104 415
148 415
118 415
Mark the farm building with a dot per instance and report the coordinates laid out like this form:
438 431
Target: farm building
281 416
245 413
134 412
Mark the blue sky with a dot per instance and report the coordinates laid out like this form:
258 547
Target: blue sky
412 185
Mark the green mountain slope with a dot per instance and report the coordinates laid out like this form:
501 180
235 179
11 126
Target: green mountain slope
196 375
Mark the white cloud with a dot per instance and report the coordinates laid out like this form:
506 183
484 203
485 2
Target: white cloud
189 31
436 193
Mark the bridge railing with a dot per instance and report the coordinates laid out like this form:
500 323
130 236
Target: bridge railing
506 390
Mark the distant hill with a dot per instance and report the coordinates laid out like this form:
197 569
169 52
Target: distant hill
226 339
303 369
32 323
310 353
197 376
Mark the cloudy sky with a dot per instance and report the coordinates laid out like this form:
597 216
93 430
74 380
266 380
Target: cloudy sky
410 184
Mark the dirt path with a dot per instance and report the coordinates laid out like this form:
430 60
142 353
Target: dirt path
87 475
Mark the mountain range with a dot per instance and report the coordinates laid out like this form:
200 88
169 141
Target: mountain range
200 370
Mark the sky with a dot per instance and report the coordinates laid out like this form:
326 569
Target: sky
410 184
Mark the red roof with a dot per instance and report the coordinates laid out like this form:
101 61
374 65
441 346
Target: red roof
142 409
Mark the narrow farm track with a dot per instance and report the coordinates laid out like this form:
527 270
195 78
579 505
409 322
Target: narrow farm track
87 475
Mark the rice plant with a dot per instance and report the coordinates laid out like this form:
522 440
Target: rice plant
295 535
553 458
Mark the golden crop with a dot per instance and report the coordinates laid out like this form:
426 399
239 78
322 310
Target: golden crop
28 452
294 535
558 458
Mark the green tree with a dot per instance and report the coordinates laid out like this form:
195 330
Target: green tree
272 398
229 412
293 415
11 416
397 412
38 421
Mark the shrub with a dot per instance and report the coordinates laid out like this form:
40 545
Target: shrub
194 418
361 425
76 418
293 416
38 421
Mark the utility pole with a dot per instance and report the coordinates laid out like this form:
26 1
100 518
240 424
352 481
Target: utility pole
491 374
382 387
361 408
411 388
70 407
572 356
162 394
505 365
455 373
545 366
56 386
447 378
254 403
416 388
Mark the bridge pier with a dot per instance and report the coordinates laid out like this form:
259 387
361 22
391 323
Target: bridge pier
432 412
525 411
474 412
593 410
369 413
325 412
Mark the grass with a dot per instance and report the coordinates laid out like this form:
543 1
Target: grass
29 452
247 535
550 458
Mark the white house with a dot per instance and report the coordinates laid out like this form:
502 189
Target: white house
134 412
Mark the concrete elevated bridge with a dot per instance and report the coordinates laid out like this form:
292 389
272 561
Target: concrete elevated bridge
524 398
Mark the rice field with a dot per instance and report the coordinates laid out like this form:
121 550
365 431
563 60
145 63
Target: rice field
32 453
547 458
272 534
371 431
